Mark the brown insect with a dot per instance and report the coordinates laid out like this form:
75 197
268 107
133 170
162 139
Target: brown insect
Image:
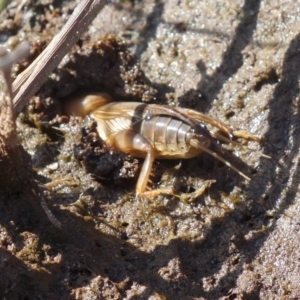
154 131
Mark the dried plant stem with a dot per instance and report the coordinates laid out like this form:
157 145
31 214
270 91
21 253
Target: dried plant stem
8 133
29 81
15 164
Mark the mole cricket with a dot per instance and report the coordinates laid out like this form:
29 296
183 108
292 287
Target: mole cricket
153 131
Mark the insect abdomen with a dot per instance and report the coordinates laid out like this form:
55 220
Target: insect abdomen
166 134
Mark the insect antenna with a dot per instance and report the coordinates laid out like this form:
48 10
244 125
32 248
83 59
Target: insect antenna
197 144
223 138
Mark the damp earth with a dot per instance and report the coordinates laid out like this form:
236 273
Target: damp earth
237 61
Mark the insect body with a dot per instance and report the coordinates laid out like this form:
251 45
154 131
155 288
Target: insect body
155 131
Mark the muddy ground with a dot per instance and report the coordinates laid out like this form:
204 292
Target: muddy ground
239 62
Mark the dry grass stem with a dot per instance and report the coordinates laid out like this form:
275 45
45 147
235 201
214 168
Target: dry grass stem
29 81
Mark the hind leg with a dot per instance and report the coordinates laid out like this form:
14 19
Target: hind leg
130 142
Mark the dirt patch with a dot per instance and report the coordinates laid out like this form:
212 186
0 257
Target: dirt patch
236 61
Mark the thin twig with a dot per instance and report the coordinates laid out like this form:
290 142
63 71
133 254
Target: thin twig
8 59
10 154
29 81
8 133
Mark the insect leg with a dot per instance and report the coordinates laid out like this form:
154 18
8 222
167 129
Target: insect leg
129 141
